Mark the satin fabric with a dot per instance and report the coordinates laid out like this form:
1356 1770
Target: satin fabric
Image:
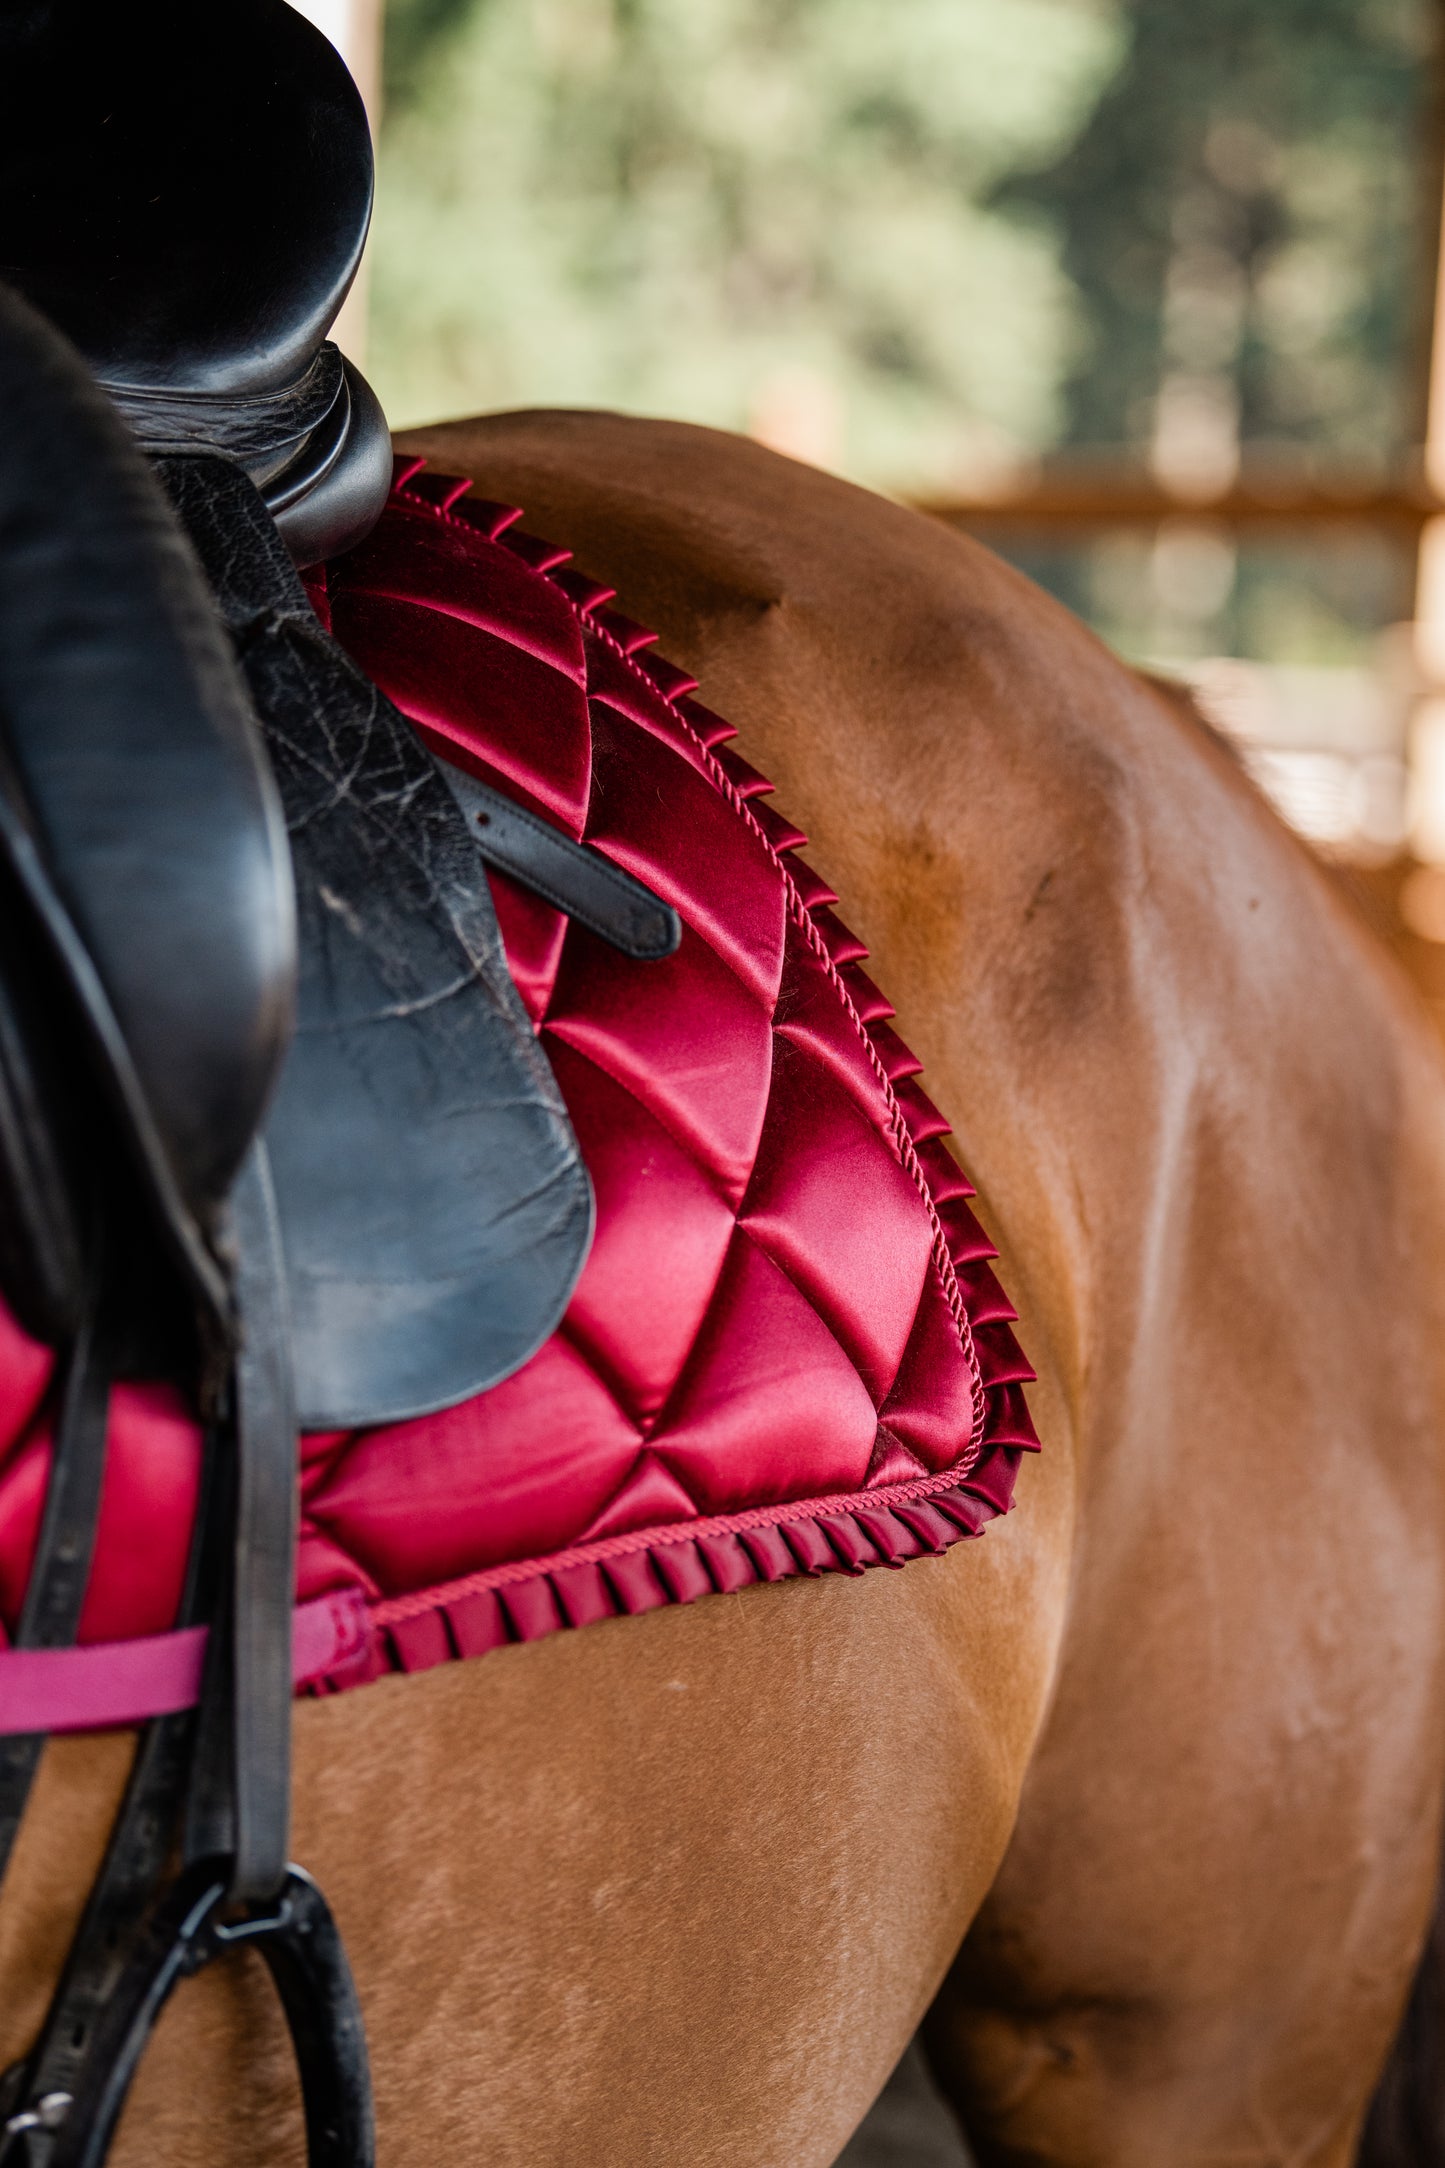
787 1352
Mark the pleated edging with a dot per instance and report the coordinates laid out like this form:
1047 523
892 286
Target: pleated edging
672 1566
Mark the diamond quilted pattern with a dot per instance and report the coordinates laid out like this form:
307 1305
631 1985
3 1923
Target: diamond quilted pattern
650 1496
770 1406
533 934
663 1230
438 558
838 1216
499 1477
491 725
768 1366
929 1399
728 887
697 1050
810 1015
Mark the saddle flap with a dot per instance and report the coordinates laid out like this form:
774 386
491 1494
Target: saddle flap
435 1212
139 828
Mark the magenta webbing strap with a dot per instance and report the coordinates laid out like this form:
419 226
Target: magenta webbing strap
124 1682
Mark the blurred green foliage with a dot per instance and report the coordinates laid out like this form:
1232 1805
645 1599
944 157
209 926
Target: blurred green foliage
1252 201
712 207
929 242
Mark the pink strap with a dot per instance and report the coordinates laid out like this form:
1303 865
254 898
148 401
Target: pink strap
124 1682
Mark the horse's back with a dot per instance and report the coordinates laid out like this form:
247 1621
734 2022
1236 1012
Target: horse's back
677 1888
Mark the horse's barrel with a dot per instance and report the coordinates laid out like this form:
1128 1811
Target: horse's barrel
185 193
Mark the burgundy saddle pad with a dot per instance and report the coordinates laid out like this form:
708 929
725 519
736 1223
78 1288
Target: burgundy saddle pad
787 1353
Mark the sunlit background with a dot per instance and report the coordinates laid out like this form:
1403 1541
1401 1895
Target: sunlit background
1140 291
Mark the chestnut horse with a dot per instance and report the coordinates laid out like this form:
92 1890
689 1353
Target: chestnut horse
1139 1798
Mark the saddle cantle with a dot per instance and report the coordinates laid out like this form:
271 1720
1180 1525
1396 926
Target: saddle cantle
187 192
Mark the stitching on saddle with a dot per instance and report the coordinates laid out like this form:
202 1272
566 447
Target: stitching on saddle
802 918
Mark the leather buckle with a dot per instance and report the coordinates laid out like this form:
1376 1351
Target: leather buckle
296 1935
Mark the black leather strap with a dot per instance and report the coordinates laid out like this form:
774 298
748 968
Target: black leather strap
577 880
264 1571
238 1804
38 2093
61 1566
42 1239
241 1576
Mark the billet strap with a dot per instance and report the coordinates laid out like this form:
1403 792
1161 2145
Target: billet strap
39 2094
240 1798
571 876
263 1574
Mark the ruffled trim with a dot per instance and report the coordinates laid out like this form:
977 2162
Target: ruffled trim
622 1576
626 1575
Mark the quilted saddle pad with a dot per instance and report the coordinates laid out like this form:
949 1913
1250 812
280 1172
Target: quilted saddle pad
787 1353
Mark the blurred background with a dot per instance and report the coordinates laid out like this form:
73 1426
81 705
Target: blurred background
1142 292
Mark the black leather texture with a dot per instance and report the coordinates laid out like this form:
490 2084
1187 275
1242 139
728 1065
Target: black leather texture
571 876
55 1592
185 193
143 851
434 1208
263 1542
298 1940
186 190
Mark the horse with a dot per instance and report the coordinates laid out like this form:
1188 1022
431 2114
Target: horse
1135 1804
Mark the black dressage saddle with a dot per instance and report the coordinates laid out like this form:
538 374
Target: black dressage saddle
273 1121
